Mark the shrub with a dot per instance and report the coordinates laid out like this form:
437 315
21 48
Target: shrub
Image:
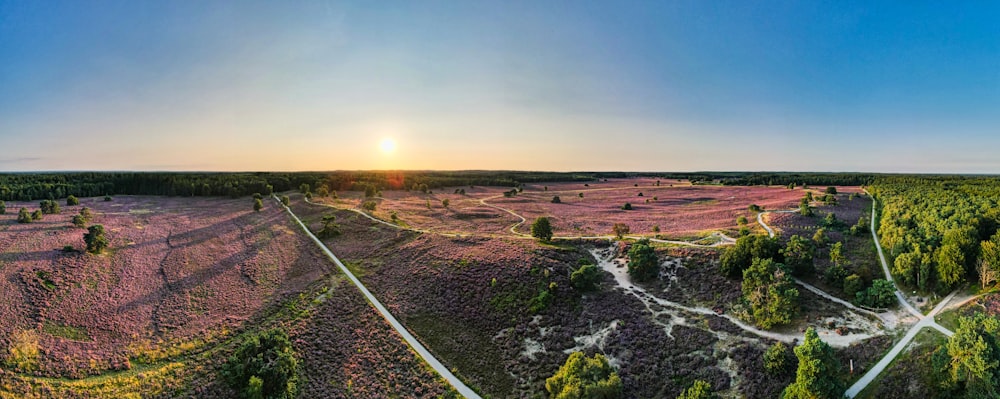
586 278
540 302
776 358
556 200
72 200
23 351
754 208
882 294
258 196
642 262
107 198
23 216
819 238
79 221
86 214
627 207
258 205
369 205
738 257
95 239
304 188
831 190
798 255
322 191
853 285
584 378
36 215
620 230
284 200
581 195
741 220
330 227
445 202
264 366
698 390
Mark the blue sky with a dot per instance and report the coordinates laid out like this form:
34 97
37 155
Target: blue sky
578 85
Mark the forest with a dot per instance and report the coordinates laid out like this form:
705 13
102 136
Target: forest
35 186
939 232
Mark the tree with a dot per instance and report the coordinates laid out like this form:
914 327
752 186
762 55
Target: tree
369 205
853 285
36 215
371 191
882 294
698 390
268 356
738 257
989 262
820 237
330 227
72 200
973 358
950 266
323 191
284 200
620 230
445 202
987 275
584 378
627 207
809 197
586 278
831 190
79 221
831 220
798 255
741 220
304 188
754 208
837 253
804 208
816 376
642 262
86 214
777 358
23 216
107 198
556 200
770 291
95 239
542 229
49 207
258 205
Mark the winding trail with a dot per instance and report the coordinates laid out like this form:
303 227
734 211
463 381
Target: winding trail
923 321
419 348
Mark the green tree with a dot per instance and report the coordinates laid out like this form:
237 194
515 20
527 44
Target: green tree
770 292
698 390
738 257
445 202
586 278
816 377
804 208
371 191
627 207
620 230
837 253
831 190
95 239
830 220
556 200
369 205
86 214
973 366
49 207
798 255
258 205
950 266
107 198
835 275
79 221
3 207
542 229
754 208
741 220
304 188
819 238
584 378
330 227
323 191
285 201
72 200
882 294
36 215
268 356
642 262
23 216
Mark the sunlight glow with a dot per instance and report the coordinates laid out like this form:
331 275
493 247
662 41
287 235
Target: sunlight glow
388 145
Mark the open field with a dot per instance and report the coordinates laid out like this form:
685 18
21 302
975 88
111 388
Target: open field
180 280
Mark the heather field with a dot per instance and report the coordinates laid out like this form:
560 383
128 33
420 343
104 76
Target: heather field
157 312
457 293
674 207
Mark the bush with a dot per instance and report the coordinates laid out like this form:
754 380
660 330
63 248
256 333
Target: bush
258 205
107 198
556 200
36 215
741 220
264 366
882 294
540 302
445 202
3 207
831 190
642 262
542 229
586 278
853 285
620 230
777 359
95 239
369 205
23 352
71 200
285 201
627 207
330 227
699 390
754 208
739 257
584 378
79 221
23 216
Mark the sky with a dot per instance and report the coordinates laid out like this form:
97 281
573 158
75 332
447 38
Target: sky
513 85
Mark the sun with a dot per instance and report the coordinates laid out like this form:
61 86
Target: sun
387 145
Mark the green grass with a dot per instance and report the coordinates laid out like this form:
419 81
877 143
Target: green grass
64 331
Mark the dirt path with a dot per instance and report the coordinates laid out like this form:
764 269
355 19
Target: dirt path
419 348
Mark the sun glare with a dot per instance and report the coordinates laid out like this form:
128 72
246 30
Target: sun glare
388 145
